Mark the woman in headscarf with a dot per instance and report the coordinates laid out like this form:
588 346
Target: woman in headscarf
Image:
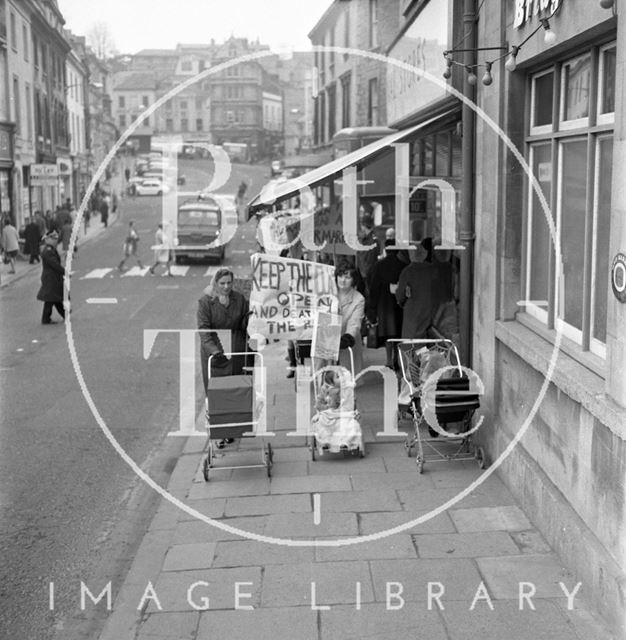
222 308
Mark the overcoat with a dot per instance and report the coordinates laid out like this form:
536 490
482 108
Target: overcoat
416 296
382 306
212 314
52 273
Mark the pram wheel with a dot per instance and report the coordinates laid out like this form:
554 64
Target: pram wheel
420 465
481 458
408 445
313 447
362 450
206 464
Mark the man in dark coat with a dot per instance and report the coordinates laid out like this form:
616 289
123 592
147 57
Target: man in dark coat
382 308
52 272
416 294
104 212
32 235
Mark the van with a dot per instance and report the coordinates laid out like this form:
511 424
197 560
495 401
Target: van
199 226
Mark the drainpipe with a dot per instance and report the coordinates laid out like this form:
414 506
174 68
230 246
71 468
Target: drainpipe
466 234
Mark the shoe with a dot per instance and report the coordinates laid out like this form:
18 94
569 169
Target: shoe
48 322
12 271
221 444
229 440
291 374
151 271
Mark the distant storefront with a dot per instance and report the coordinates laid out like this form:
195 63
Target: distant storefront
6 167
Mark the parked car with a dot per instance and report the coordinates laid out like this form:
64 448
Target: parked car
151 187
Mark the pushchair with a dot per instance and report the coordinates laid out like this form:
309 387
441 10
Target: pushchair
454 402
335 426
233 409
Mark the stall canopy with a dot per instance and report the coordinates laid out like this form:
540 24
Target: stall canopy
288 188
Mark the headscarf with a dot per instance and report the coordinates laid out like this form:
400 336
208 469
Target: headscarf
211 290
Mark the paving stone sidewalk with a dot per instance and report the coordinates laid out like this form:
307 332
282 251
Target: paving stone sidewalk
455 576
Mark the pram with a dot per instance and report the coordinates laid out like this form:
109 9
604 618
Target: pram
454 402
232 411
335 427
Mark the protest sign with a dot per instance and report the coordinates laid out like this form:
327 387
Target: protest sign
286 294
326 336
329 229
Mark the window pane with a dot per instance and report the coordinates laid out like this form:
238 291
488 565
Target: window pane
601 249
577 76
457 160
428 156
607 104
539 238
443 146
544 90
573 203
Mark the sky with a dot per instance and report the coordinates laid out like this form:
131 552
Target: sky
162 24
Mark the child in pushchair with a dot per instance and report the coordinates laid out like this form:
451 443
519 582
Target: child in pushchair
335 426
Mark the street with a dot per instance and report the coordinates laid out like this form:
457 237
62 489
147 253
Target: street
71 510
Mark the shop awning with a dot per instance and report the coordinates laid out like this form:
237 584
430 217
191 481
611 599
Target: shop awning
290 188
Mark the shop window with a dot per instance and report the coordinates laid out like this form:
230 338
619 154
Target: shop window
428 155
575 79
600 239
606 90
345 98
442 165
572 165
199 124
372 104
542 93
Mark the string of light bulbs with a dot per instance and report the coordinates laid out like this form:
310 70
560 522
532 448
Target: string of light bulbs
510 54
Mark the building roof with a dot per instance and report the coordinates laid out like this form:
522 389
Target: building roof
134 80
157 52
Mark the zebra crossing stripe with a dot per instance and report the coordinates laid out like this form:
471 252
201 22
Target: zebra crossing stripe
96 273
177 270
136 272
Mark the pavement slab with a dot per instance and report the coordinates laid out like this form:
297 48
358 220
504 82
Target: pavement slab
348 464
262 505
181 557
218 487
400 480
396 546
509 518
242 553
465 545
543 572
454 579
379 522
358 501
176 590
310 484
547 622
324 583
181 626
376 622
260 624
300 525
194 531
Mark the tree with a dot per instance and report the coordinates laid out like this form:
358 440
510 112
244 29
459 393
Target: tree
101 41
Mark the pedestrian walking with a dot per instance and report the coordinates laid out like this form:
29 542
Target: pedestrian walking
130 246
86 218
65 236
222 308
366 259
383 310
415 294
52 273
33 238
104 211
352 310
162 253
10 244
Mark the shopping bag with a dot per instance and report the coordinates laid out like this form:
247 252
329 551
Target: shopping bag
372 341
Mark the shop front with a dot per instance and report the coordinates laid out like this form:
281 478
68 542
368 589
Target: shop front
6 167
549 332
